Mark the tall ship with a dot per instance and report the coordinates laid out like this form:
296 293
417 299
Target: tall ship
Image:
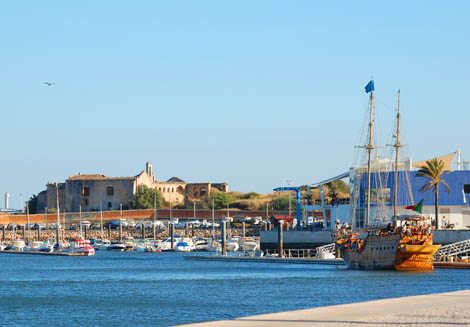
405 242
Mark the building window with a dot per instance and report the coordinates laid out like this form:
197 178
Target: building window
172 190
110 191
466 188
86 191
85 202
110 205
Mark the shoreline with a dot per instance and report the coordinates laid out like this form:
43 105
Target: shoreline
441 309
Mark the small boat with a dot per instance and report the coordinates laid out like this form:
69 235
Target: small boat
214 246
165 245
248 244
116 246
18 245
182 247
129 242
34 246
101 245
81 246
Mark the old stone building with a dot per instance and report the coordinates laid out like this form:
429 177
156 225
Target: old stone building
93 191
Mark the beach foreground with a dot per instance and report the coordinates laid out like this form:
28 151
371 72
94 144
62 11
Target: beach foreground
443 309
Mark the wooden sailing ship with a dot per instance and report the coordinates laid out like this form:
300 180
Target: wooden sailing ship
405 247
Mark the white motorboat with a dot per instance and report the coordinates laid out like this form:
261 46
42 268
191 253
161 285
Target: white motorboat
144 246
102 245
232 246
214 246
182 247
248 244
129 242
116 246
165 245
18 245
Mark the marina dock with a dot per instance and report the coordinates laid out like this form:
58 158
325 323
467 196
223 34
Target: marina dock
443 309
64 254
310 261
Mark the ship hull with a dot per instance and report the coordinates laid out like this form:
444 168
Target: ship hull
377 252
415 257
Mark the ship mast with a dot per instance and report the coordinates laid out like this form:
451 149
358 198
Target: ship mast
397 147
369 148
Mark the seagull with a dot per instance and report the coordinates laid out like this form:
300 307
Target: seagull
49 83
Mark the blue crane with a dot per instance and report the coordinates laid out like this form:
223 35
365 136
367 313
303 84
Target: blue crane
297 199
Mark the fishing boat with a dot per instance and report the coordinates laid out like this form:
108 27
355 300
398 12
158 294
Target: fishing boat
405 243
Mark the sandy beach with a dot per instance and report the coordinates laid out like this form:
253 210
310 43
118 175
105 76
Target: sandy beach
444 309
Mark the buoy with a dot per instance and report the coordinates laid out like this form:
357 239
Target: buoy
159 250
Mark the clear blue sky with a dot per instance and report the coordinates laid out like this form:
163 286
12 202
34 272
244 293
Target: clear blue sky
247 92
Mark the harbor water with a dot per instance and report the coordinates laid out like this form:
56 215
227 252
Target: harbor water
163 289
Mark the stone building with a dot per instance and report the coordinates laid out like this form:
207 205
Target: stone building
93 191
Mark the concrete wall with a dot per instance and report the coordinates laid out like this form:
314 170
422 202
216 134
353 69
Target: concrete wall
42 201
123 191
51 197
197 190
171 191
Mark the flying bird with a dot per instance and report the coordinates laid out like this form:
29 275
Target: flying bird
49 83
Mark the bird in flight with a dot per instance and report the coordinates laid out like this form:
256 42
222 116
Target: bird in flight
49 83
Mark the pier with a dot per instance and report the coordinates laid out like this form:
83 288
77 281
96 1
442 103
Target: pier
64 254
310 261
443 309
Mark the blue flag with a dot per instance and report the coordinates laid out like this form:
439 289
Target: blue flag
370 86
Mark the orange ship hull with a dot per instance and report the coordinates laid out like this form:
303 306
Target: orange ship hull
415 257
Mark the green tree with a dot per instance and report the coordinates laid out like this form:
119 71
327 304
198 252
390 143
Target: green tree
433 171
251 195
33 204
144 199
335 188
221 200
281 203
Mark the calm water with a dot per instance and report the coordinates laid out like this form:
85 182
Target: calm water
150 289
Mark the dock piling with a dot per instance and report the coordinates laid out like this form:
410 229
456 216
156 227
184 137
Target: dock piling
143 231
120 231
39 233
109 231
3 233
24 232
280 239
223 228
172 235
243 229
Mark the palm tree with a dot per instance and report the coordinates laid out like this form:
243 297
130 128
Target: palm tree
433 170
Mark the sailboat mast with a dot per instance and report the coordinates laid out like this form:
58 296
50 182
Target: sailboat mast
397 147
369 148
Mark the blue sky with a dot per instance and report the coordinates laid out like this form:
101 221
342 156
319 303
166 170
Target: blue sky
247 92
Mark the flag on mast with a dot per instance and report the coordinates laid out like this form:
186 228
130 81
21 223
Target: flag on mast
370 86
417 207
